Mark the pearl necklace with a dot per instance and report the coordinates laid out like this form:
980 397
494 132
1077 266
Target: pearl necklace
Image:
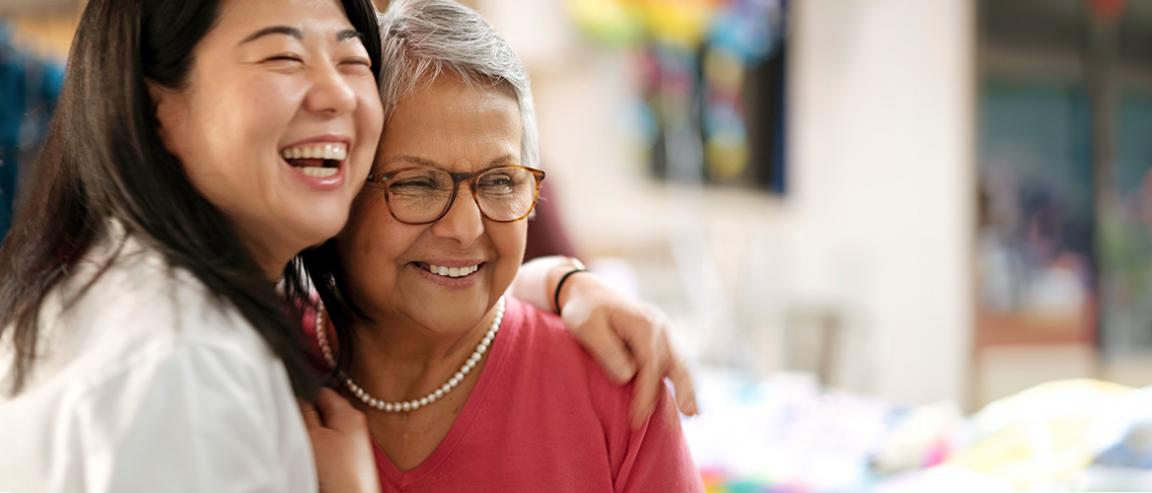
414 404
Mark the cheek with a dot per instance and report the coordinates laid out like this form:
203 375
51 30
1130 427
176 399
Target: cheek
369 278
253 103
369 111
235 127
256 114
183 136
372 243
510 241
369 125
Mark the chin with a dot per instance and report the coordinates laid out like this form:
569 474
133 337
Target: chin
319 228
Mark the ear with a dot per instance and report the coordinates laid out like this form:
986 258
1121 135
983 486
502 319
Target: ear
166 104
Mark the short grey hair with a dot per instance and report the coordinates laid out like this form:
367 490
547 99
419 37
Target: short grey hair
423 39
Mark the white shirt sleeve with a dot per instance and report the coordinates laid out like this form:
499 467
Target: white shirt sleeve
200 419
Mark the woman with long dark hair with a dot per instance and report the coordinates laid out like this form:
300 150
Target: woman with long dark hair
197 147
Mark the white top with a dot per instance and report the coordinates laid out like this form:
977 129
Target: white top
146 384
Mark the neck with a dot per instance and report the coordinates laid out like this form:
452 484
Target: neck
273 270
270 260
398 358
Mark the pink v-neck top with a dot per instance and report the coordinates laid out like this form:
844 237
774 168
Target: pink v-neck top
544 417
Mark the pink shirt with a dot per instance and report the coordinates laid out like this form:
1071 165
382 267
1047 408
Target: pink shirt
543 417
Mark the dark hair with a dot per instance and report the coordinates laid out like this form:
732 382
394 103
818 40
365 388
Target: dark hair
103 159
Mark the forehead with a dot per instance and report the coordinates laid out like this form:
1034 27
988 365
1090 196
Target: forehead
450 119
456 95
240 17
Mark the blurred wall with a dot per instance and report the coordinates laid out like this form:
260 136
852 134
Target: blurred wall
882 112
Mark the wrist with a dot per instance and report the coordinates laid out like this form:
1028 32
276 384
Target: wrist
564 283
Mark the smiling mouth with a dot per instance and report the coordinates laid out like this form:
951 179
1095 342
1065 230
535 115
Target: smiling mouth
449 272
316 160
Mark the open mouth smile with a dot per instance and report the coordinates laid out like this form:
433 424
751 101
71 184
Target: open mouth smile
318 160
450 272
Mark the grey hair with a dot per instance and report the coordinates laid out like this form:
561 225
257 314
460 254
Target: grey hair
423 39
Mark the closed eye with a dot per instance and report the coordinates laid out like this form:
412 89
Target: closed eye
421 184
286 57
357 63
497 181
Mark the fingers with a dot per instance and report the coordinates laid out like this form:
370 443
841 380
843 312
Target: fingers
654 353
311 415
645 390
612 355
652 360
602 342
673 366
685 388
337 413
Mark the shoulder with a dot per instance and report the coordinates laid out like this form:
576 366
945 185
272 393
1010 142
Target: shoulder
138 312
539 333
653 457
545 345
147 297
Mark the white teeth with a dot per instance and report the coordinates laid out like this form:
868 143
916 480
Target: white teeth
453 271
332 151
316 172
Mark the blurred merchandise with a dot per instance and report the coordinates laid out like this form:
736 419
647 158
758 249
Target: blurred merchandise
787 434
919 438
711 90
1133 451
784 434
1043 438
608 22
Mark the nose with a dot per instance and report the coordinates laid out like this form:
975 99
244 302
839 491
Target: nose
330 92
463 222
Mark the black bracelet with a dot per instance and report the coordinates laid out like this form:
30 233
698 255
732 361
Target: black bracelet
560 285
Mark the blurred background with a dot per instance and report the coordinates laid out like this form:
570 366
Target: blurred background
907 244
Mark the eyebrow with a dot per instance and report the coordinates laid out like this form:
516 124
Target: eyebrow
297 33
347 34
270 30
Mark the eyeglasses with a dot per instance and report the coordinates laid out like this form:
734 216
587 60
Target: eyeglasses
423 194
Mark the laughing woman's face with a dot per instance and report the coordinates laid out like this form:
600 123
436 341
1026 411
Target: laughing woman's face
278 122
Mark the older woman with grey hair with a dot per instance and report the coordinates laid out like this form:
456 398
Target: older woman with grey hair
465 387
